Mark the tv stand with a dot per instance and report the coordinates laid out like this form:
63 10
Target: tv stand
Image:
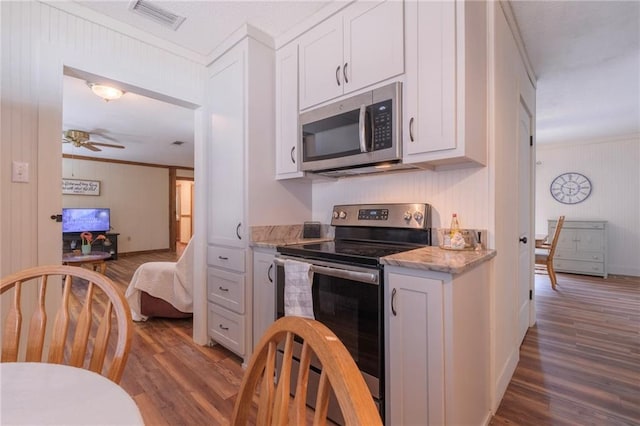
100 245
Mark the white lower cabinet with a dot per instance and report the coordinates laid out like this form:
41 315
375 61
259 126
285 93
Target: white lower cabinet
264 292
226 327
437 347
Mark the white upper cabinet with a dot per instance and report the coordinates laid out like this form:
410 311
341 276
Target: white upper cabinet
446 83
356 48
226 186
287 155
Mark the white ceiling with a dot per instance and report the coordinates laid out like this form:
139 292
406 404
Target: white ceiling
585 54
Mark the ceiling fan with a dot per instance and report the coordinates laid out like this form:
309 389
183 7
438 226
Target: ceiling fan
80 139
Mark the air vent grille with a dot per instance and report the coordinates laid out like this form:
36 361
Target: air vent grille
157 14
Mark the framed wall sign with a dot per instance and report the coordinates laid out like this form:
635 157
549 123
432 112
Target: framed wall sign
80 187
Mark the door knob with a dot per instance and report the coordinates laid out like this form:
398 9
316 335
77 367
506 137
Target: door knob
56 217
523 240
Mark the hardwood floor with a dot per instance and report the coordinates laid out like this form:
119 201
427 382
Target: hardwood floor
579 365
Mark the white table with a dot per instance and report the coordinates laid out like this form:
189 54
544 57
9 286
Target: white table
46 394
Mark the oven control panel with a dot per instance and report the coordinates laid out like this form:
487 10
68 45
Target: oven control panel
401 215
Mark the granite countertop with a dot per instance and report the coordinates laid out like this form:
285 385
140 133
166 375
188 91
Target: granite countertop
437 259
284 235
428 258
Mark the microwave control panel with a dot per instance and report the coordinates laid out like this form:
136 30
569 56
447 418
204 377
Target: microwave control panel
382 124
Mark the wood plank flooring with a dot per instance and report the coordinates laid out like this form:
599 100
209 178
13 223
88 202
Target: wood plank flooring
580 364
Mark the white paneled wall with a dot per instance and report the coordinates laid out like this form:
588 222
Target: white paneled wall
37 41
463 191
613 167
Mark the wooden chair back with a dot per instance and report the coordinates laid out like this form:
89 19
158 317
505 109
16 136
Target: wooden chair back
339 372
546 260
89 321
556 237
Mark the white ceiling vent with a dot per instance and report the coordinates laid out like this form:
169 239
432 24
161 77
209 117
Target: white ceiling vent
156 13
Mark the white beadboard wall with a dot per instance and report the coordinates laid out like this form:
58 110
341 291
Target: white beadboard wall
137 196
613 167
30 29
461 191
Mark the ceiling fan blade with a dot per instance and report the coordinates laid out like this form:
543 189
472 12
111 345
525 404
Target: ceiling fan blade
90 146
105 144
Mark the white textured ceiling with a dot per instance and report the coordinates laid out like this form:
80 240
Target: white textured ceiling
585 54
586 57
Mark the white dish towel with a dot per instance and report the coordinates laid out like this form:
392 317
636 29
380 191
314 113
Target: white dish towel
298 299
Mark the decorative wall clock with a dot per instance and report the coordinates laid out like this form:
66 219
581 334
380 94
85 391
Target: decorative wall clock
570 188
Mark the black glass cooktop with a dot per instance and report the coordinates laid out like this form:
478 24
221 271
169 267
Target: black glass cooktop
359 252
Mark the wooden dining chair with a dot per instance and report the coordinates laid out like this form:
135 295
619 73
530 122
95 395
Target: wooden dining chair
339 372
545 253
82 331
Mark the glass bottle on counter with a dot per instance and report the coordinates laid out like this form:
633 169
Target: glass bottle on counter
455 226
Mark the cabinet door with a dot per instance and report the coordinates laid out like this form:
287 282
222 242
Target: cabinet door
287 131
415 364
373 43
589 240
264 293
226 97
430 78
321 75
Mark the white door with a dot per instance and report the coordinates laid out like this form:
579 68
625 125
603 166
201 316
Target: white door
525 277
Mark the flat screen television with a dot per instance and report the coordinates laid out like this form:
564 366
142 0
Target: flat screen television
87 219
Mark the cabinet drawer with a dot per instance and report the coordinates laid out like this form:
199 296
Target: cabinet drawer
226 289
226 328
593 256
225 257
579 267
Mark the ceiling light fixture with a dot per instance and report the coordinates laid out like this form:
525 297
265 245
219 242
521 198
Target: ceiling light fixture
107 93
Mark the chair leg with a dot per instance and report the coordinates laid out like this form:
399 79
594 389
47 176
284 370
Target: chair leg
552 275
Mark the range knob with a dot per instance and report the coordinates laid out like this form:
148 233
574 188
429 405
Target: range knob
407 216
418 216
342 214
335 214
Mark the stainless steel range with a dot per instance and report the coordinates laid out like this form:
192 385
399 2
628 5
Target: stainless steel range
348 279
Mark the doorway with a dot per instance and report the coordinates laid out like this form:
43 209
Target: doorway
184 210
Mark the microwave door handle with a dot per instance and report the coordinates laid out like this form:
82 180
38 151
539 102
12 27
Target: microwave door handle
362 123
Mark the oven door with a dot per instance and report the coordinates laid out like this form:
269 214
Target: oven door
348 300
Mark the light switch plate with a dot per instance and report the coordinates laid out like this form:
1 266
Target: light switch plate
20 172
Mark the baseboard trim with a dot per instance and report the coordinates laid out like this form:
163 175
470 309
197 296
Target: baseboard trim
133 253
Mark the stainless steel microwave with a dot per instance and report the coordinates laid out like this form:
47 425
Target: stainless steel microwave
361 132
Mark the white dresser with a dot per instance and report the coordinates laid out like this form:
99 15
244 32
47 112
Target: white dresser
582 248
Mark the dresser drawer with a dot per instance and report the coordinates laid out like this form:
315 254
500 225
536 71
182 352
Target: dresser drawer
225 257
579 267
579 255
226 289
226 328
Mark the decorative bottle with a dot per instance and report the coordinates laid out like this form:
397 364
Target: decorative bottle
455 226
457 240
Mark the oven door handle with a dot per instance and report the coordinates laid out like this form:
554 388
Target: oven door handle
365 277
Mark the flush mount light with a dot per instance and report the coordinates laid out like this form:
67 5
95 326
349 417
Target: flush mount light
107 93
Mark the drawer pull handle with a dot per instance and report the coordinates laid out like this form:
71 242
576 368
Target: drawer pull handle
223 327
238 231
269 273
223 258
223 289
